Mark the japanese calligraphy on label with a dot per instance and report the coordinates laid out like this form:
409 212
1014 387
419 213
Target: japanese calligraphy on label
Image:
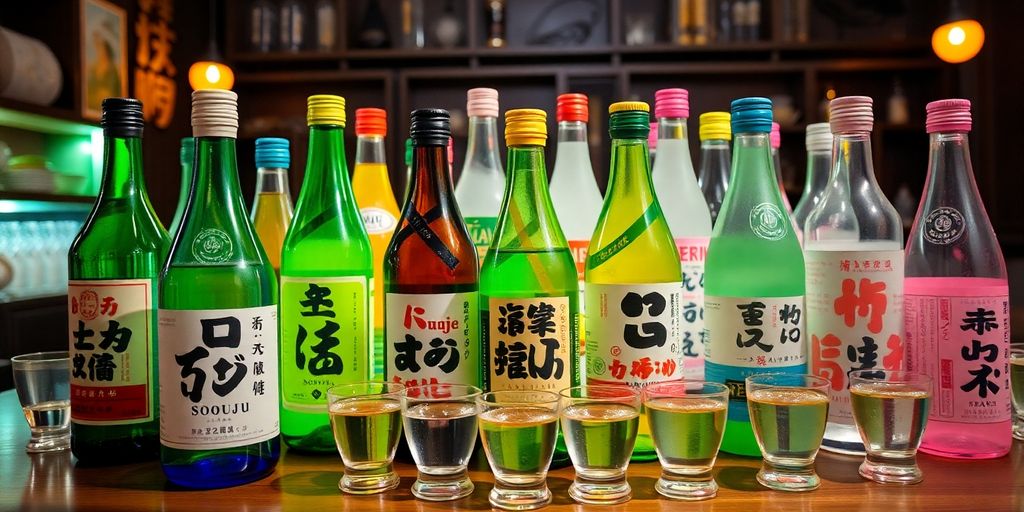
111 338
751 335
854 317
325 338
432 338
528 343
633 333
960 336
481 231
218 384
692 253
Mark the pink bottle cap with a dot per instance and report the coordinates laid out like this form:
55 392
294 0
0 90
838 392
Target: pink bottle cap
775 137
482 102
652 136
850 114
952 115
672 103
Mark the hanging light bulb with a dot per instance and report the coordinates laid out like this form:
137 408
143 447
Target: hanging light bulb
211 73
959 40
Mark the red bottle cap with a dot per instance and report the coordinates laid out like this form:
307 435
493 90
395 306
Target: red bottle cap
371 121
850 114
775 136
672 103
572 107
952 115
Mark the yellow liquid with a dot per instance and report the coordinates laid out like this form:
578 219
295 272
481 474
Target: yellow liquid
271 214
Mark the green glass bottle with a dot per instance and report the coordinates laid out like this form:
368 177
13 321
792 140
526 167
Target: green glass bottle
326 286
633 281
113 266
219 423
187 154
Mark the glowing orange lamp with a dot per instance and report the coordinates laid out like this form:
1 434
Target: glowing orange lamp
959 40
211 73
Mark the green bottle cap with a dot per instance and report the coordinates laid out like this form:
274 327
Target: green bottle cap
629 120
408 152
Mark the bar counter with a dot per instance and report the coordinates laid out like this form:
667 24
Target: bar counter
310 483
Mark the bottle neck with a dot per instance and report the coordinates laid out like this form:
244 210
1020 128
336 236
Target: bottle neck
630 168
370 149
528 220
122 168
431 178
853 164
215 177
672 128
715 159
326 172
572 131
819 165
271 181
752 168
950 179
482 144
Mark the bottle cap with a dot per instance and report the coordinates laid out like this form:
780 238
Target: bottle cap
430 127
371 121
214 113
188 150
526 127
775 136
715 126
482 102
572 107
850 114
629 120
819 137
952 115
751 115
652 136
672 103
122 117
408 152
272 153
325 109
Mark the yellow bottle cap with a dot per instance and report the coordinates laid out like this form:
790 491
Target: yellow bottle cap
626 106
324 109
526 127
715 126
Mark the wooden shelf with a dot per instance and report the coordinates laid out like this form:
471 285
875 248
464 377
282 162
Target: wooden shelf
49 198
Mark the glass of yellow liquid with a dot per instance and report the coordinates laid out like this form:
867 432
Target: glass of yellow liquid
891 411
366 418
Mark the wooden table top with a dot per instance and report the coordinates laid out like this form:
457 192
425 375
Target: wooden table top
310 483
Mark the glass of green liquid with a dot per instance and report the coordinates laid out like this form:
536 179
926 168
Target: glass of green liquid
788 412
366 418
599 424
1017 388
518 430
687 422
891 411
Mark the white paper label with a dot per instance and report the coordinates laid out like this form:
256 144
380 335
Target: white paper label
377 220
692 253
762 332
432 338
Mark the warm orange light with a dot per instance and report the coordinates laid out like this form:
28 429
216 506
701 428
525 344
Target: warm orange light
210 75
958 41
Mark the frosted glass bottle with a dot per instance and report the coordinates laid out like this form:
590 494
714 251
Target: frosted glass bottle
481 185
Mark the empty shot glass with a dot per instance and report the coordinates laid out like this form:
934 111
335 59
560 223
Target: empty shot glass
788 413
687 422
41 379
518 430
891 411
441 428
599 424
1017 388
366 418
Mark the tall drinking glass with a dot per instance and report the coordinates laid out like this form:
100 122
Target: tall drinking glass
440 427
1017 388
788 413
366 418
687 422
599 424
891 410
518 430
41 379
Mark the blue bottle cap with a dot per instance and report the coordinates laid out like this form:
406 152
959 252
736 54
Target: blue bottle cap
272 153
752 115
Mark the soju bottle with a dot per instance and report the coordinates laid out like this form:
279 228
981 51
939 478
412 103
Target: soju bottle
956 303
688 218
715 160
112 281
819 166
754 298
482 181
377 206
187 155
219 423
853 251
272 205
634 280
431 273
326 286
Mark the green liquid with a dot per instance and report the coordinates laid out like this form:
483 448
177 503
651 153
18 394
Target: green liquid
519 441
366 431
788 423
600 437
687 432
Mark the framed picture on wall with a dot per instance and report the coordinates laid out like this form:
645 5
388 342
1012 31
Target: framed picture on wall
103 41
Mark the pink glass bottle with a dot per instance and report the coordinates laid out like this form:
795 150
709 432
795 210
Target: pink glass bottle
956 300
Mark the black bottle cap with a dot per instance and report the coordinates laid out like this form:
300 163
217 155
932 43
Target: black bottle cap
430 127
122 117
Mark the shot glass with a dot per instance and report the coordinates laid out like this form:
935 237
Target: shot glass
788 413
518 430
441 427
599 424
891 411
366 418
687 422
41 379
1017 388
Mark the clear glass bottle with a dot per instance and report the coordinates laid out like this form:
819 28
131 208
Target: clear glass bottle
715 160
272 204
482 182
819 167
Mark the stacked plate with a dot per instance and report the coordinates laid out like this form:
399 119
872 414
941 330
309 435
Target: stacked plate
28 173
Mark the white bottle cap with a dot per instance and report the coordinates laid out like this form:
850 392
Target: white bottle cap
819 137
214 113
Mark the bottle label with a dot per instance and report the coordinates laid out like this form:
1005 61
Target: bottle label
218 378
633 333
481 231
635 230
692 253
432 338
325 338
768 222
751 335
943 225
960 336
528 344
579 249
377 220
111 340
854 318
